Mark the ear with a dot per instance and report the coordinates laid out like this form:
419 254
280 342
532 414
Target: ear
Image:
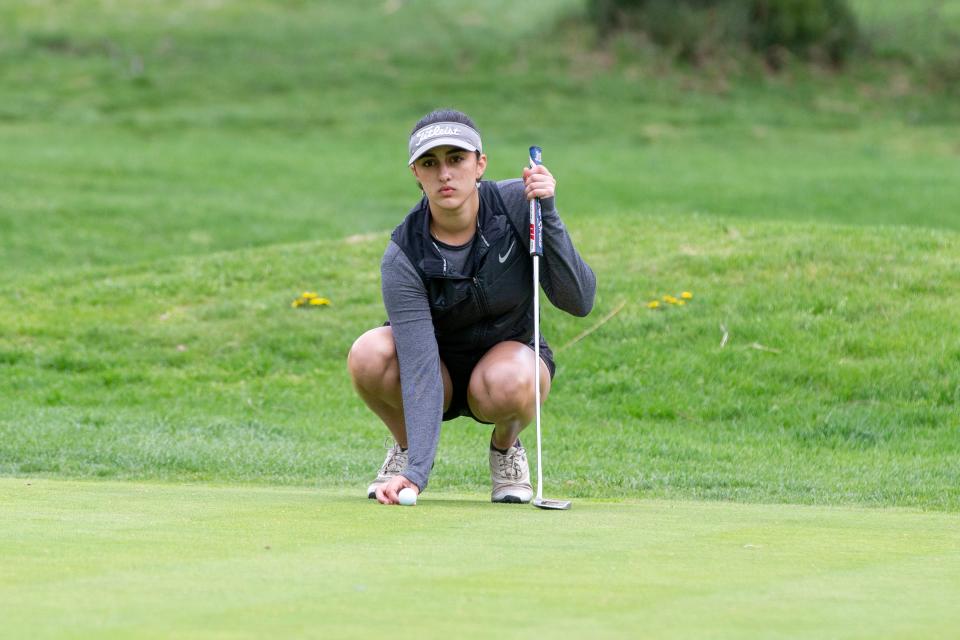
481 165
413 170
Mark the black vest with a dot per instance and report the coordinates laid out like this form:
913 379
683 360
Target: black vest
492 300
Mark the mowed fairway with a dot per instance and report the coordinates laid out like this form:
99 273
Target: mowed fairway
107 559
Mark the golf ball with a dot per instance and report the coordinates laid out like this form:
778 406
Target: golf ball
408 497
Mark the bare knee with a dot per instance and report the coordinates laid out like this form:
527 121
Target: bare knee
372 361
504 389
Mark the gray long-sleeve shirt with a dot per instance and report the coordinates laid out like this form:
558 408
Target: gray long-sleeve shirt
566 279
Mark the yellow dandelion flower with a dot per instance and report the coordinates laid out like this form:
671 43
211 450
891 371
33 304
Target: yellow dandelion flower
316 302
653 304
309 295
296 303
670 299
686 295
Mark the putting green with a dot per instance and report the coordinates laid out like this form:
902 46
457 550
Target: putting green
111 559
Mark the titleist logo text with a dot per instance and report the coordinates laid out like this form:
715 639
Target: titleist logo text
436 130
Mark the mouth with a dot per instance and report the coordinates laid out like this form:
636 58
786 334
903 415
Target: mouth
445 191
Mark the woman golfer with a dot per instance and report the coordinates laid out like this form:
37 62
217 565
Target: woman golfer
457 286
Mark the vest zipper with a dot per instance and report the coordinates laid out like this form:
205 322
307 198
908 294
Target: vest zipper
481 299
440 253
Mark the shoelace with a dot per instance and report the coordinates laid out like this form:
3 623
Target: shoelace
510 463
394 462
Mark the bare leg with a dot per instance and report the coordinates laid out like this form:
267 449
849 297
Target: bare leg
501 390
375 373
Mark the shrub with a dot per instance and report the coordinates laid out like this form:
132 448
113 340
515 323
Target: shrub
809 28
813 29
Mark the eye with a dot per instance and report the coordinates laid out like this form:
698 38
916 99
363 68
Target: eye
428 162
454 159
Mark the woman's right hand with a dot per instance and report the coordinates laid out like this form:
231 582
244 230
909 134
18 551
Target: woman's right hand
539 182
387 493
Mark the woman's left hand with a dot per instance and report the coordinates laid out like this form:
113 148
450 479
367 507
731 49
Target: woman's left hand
539 182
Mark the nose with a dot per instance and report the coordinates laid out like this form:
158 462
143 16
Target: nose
444 171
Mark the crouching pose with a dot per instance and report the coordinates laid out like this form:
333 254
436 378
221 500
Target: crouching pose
457 286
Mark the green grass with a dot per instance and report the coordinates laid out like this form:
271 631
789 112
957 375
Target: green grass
837 383
917 31
134 133
173 174
159 220
147 560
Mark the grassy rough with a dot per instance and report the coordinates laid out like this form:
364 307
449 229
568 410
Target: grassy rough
173 174
146 560
837 382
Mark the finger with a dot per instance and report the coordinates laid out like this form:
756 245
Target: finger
381 498
390 493
540 184
540 190
537 178
535 182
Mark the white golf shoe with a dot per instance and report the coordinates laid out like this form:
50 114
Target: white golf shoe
394 463
510 474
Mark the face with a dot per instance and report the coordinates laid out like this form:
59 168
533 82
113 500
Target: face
449 175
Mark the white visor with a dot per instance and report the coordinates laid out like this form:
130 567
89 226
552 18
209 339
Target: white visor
439 134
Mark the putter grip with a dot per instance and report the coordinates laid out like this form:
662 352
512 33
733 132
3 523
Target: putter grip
536 221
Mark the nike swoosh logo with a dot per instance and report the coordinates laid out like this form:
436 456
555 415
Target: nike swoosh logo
504 257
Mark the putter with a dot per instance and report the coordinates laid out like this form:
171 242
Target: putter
536 250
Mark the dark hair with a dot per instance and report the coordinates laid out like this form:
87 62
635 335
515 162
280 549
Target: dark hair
444 115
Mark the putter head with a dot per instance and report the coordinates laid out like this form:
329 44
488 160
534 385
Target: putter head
547 503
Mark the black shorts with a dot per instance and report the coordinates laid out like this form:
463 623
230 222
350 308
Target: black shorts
460 366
